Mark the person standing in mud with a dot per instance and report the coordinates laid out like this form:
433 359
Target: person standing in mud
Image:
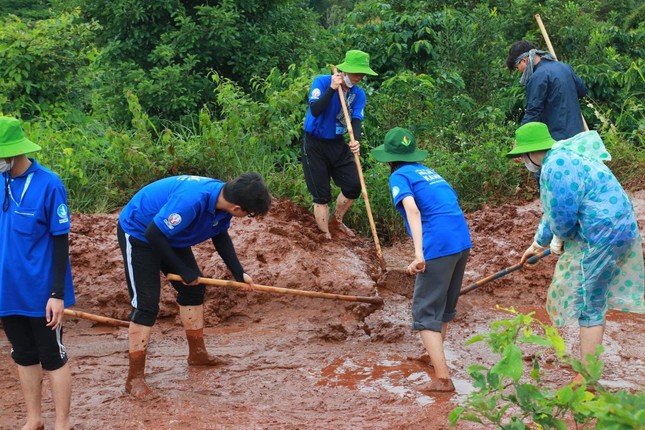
325 155
436 223
589 221
553 90
156 231
35 273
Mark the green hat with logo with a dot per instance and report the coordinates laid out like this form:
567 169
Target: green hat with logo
531 137
12 140
356 62
400 145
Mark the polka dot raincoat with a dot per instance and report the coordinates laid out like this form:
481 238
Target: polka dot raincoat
585 205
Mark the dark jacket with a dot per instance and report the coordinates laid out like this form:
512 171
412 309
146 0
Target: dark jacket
552 95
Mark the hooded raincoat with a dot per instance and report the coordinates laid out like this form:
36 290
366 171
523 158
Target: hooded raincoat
585 205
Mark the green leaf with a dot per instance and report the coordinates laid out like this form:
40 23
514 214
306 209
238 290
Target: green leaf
565 394
511 363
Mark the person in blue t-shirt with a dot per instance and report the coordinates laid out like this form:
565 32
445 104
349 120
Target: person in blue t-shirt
156 230
325 155
436 223
35 272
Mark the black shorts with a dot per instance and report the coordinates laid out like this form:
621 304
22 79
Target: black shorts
323 160
142 267
32 342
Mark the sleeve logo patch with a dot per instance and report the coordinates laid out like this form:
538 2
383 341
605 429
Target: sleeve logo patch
173 220
63 213
315 93
395 191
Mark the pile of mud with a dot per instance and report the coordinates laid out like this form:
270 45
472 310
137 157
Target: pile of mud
299 362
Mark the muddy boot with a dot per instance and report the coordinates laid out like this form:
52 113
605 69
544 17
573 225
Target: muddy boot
321 213
136 383
197 354
438 385
192 317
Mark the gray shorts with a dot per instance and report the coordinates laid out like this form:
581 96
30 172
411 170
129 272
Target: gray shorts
436 291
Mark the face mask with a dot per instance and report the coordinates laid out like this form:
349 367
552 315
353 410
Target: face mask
529 164
4 166
347 81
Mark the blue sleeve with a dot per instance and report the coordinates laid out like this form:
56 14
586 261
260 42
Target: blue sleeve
175 216
58 218
318 87
399 187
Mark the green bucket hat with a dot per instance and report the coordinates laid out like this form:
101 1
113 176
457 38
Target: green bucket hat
356 62
532 136
12 140
399 145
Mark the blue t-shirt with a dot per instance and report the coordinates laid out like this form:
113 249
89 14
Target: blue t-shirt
331 123
552 97
37 212
445 231
183 207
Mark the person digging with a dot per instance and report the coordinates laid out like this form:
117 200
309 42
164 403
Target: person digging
156 231
441 239
325 155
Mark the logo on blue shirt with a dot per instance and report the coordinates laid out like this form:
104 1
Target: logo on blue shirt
63 213
173 220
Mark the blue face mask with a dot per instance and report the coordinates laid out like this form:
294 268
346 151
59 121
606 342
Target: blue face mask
4 166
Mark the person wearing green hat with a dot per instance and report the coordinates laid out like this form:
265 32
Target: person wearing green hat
439 231
35 272
325 155
589 221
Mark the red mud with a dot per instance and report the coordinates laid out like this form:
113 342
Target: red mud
299 362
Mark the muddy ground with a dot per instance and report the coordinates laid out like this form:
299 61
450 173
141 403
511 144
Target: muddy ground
300 362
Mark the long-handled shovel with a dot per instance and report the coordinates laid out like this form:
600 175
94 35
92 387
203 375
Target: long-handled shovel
357 159
97 318
243 286
513 268
548 45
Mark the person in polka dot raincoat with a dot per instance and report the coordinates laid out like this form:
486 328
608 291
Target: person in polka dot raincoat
589 221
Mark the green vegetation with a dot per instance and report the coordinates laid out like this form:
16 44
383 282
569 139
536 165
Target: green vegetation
511 397
124 92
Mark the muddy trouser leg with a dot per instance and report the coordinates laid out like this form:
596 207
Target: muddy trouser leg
142 275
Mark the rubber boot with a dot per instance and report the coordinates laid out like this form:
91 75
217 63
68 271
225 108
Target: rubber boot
136 383
321 213
192 317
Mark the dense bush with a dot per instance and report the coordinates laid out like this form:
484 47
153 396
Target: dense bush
138 90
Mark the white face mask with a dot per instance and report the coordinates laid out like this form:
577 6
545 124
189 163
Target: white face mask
347 81
4 166
529 164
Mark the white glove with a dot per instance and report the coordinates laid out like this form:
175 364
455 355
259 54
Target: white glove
557 246
531 251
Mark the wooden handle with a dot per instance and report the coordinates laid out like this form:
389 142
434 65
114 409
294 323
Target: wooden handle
545 35
357 159
531 260
244 286
97 318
